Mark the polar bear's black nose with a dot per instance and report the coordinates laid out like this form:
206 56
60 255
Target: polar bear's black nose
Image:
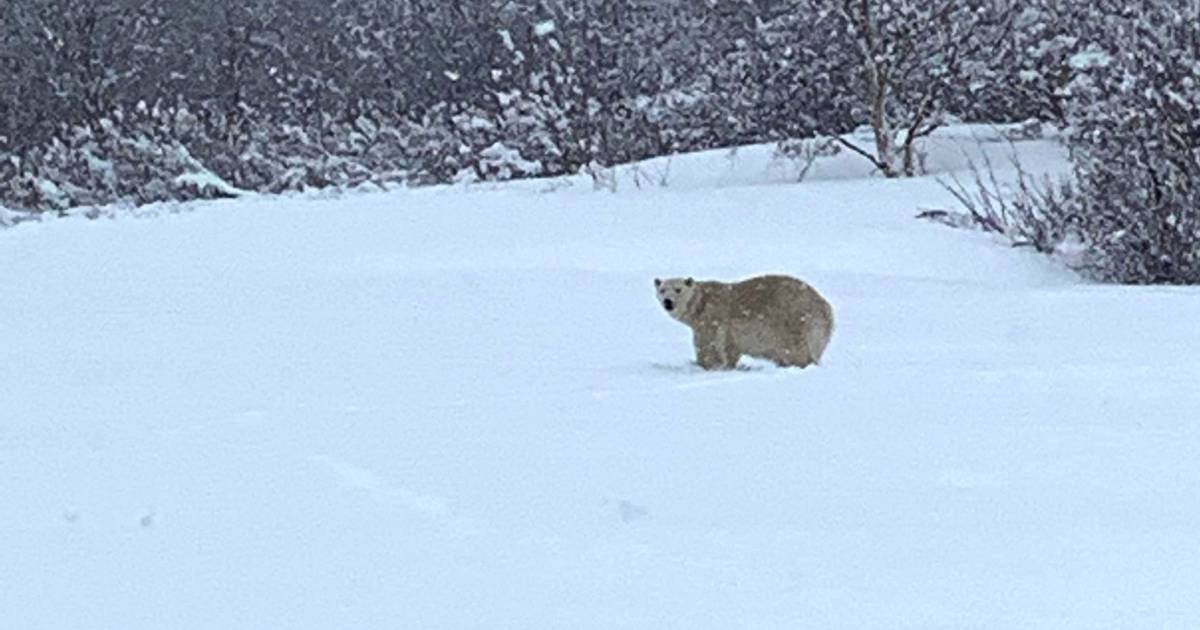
668 304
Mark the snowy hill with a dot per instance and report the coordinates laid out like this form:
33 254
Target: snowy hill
463 408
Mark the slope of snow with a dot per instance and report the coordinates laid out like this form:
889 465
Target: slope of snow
462 408
949 149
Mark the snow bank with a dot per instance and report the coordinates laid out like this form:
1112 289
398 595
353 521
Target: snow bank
950 149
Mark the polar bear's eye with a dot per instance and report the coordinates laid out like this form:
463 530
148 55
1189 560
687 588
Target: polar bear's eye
677 290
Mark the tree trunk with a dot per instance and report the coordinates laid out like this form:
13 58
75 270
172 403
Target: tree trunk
877 97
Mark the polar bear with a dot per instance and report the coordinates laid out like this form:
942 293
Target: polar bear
773 317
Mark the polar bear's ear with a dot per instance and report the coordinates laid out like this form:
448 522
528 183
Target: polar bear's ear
657 282
689 281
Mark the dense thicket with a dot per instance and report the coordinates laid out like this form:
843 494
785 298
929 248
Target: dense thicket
144 100
1136 146
1130 97
104 100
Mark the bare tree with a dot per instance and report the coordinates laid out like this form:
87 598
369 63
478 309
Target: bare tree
912 55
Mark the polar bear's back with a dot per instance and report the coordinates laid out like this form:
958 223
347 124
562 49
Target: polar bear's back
780 318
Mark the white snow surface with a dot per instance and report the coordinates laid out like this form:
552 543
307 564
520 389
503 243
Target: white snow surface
462 407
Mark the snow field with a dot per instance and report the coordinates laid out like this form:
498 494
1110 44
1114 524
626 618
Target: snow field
462 408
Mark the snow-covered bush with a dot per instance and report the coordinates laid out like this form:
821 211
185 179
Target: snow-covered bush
1135 143
131 157
500 162
1131 213
278 156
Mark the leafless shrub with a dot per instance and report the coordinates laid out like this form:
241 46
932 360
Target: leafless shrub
802 153
1030 212
1059 218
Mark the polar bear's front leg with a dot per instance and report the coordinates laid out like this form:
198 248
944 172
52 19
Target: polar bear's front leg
714 350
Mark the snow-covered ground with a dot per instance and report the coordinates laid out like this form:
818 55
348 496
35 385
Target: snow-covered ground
463 408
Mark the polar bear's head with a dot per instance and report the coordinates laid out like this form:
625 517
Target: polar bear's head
676 296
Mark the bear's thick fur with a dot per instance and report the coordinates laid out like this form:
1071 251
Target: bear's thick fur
773 317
